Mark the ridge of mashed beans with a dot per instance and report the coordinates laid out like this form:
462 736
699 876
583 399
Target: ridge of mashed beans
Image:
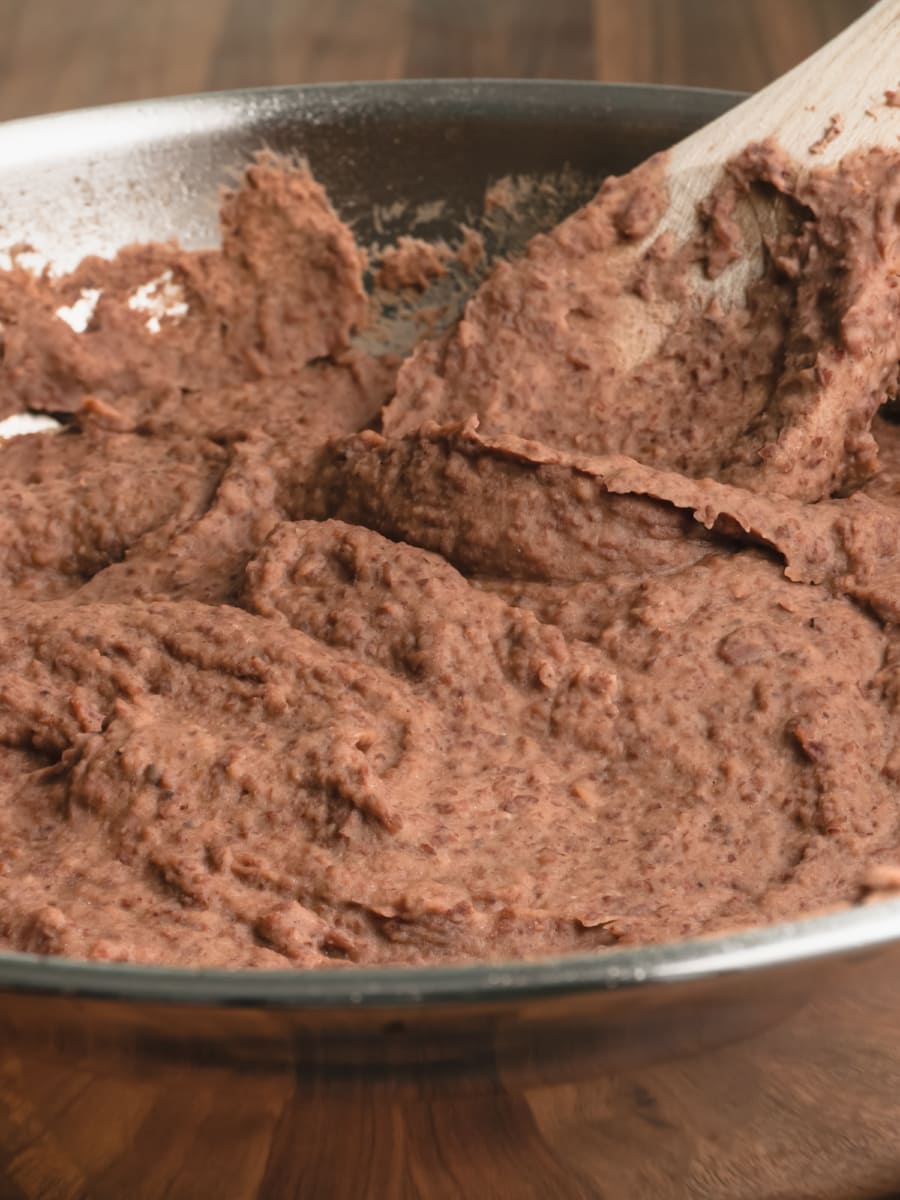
555 637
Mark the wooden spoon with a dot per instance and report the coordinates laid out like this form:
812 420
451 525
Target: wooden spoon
638 325
833 102
843 98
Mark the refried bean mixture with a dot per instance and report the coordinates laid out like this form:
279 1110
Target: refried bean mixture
560 637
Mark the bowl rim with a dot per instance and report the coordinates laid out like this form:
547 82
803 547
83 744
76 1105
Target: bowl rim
149 117
846 931
852 931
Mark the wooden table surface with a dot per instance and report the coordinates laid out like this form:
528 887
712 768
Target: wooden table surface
57 54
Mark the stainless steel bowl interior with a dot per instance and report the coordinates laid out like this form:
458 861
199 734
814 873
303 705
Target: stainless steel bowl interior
89 182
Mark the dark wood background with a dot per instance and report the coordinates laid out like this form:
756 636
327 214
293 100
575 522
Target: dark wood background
57 54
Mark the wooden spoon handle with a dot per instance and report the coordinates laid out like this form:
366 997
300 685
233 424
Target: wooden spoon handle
831 103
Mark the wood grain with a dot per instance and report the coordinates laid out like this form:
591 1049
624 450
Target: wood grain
830 105
740 44
55 54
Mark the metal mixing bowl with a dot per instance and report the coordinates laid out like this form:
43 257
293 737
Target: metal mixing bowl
757 1066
